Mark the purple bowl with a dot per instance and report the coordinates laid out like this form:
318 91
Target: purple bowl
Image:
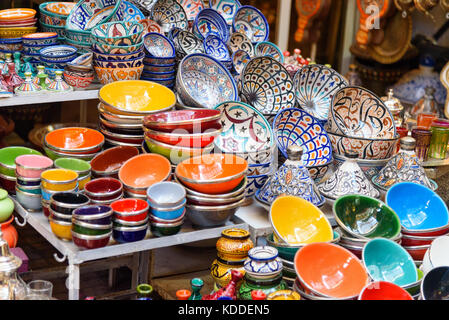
129 234
94 214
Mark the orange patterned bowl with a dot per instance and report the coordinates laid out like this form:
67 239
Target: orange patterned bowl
142 171
17 14
212 173
110 75
60 8
74 140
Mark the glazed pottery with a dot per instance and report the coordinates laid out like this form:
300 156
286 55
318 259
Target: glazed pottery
16 14
66 202
58 53
255 183
292 219
239 41
31 165
203 82
234 244
119 49
421 210
166 194
263 263
8 156
82 167
118 33
158 46
9 232
116 57
232 194
129 234
8 183
437 252
187 43
27 87
163 229
212 216
251 284
221 271
60 8
439 141
267 86
90 242
61 229
258 30
88 229
266 48
95 214
59 85
210 21
434 284
110 75
386 260
29 201
103 189
315 85
171 213
74 140
319 263
130 208
181 138
240 59
110 161
227 8
284 295
169 14
6 206
88 13
382 290
217 49
150 26
59 179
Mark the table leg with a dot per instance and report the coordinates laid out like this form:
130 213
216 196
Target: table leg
73 281
135 271
144 261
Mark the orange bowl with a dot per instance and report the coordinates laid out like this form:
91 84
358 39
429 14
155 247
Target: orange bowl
75 139
142 171
212 173
330 271
17 14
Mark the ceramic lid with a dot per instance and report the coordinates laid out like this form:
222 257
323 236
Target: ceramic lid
8 261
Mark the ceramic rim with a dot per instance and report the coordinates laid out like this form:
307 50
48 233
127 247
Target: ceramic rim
86 237
60 182
131 213
114 135
106 202
163 221
166 225
213 133
126 223
77 150
206 119
92 216
81 156
59 214
131 229
217 208
70 205
182 204
90 225
217 201
103 194
65 224
34 195
118 125
123 144
182 149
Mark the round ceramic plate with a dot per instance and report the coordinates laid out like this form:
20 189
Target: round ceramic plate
252 22
192 8
216 48
169 14
297 127
267 86
209 21
239 41
227 8
244 129
266 48
315 85
240 59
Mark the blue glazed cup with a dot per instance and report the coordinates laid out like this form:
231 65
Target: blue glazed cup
129 234
168 213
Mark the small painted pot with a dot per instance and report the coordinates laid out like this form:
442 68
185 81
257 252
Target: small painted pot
220 270
91 242
162 229
168 213
29 201
263 263
61 229
129 234
234 244
94 214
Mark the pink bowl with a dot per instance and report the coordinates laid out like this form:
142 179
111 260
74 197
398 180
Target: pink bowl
31 166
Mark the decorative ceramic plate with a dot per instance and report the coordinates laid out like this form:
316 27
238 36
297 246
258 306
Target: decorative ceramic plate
150 26
297 127
186 43
209 21
315 85
169 14
266 48
61 8
244 129
88 13
240 59
192 8
358 112
144 5
267 86
130 12
239 41
158 46
216 48
227 8
118 33
252 22
204 82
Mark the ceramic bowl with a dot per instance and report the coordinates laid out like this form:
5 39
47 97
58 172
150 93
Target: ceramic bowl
153 169
130 209
318 263
262 80
7 15
158 68
204 71
8 183
77 81
422 212
30 189
129 234
160 76
206 201
89 229
154 219
67 202
382 290
118 33
417 252
263 263
411 241
120 64
8 156
210 21
159 61
74 140
158 46
31 166
150 26
59 179
119 223
59 8
40 39
46 194
52 154
266 48
366 217
103 189
373 119
111 75
437 252
28 182
258 30
111 49
168 213
16 32
386 260
29 201
90 242
81 167
434 284
128 137
212 173
185 43
59 29
166 194
58 53
238 191
209 217
94 12
95 214
137 97
61 229
215 47
169 14
163 230
98 56
109 162
107 202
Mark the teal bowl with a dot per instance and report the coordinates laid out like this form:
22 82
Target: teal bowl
8 156
366 217
385 260
78 36
28 189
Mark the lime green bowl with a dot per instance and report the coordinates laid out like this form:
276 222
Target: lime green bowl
81 167
8 156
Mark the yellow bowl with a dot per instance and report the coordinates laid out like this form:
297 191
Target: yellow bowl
17 32
137 97
82 182
284 295
62 230
297 221
59 179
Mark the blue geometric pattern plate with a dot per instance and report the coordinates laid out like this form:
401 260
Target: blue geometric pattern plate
169 14
297 127
216 48
130 12
267 86
252 22
192 8
266 48
315 85
227 8
158 46
209 21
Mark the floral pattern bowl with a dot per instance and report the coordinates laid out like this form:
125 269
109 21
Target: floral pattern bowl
116 57
158 46
210 21
132 63
109 75
110 49
118 33
252 22
169 14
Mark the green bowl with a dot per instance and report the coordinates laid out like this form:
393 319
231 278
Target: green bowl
366 217
415 288
8 156
89 232
161 231
78 36
81 167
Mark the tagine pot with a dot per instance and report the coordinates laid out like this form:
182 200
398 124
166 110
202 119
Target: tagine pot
234 244
6 206
250 284
10 233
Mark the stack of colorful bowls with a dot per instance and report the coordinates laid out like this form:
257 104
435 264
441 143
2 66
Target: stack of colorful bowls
92 226
32 44
167 201
159 59
28 186
179 135
104 191
54 16
109 162
421 224
81 167
10 45
15 23
62 205
214 176
8 156
124 104
56 57
130 222
54 181
118 53
73 142
79 73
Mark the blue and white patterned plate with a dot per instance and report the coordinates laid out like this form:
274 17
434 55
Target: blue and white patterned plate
209 21
252 22
297 127
130 12
315 86
192 8
204 82
266 48
158 46
186 43
240 59
239 41
88 13
227 8
216 48
169 14
267 86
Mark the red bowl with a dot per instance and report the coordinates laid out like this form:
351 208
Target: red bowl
103 189
412 241
8 183
427 233
84 241
130 207
417 252
111 160
131 217
183 138
190 120
382 290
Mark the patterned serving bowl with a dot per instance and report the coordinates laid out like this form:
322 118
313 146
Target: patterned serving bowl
60 8
110 49
59 53
128 11
169 14
16 32
210 21
52 18
78 81
192 8
267 86
252 22
150 26
40 39
217 48
118 33
239 41
132 63
266 48
186 43
88 13
226 8
158 46
204 83
80 36
116 57
109 75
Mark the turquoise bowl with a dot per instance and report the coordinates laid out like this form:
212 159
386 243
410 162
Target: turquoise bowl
385 260
78 36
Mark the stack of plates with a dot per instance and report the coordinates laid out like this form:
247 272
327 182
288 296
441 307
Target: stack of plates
15 23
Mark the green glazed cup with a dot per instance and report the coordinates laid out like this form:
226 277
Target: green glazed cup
89 232
8 156
439 142
81 167
160 231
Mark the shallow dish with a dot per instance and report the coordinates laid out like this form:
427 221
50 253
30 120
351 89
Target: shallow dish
16 14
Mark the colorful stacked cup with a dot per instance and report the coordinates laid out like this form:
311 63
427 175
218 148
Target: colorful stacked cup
62 205
104 191
423 138
81 167
92 226
130 222
28 179
440 139
167 201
